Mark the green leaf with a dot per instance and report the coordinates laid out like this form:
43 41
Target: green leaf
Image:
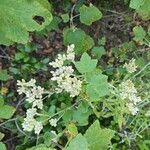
89 75
86 64
72 129
90 14
67 117
2 146
97 138
78 143
144 10
1 136
87 44
97 87
4 75
139 33
46 4
98 51
142 7
78 37
6 112
1 102
82 114
65 17
48 136
53 24
17 19
135 4
19 56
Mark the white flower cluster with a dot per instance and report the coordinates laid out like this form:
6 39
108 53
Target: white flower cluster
129 92
53 122
30 122
131 66
64 76
33 95
59 61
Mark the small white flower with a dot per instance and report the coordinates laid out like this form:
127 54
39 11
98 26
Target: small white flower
31 83
37 92
24 87
33 93
53 122
21 83
38 103
31 112
57 63
70 52
131 66
21 86
129 93
64 76
38 127
132 108
28 124
61 57
70 48
127 89
133 98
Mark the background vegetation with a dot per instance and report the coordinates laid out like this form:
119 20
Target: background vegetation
108 35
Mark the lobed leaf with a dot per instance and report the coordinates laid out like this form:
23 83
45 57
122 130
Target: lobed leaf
17 19
86 64
78 37
139 33
97 138
6 112
142 7
97 87
2 146
90 14
78 143
135 4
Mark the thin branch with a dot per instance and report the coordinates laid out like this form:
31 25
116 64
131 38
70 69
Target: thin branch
7 56
10 120
71 16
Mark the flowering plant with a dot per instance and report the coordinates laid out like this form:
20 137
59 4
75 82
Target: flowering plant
80 80
86 86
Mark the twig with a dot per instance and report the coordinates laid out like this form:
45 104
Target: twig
143 49
6 55
19 129
113 11
10 120
71 16
19 103
58 145
10 139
